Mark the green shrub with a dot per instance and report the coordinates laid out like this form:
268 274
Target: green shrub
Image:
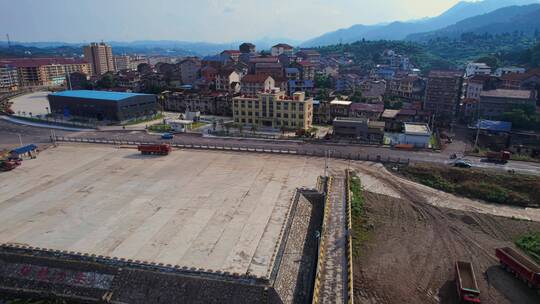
530 243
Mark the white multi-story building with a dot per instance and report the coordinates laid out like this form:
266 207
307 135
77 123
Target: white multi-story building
508 70
282 48
477 68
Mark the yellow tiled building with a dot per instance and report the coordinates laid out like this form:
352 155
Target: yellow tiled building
274 109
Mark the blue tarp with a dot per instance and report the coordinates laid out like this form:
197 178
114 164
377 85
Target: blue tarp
494 125
24 149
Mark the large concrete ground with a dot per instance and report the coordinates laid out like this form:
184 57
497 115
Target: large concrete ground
35 103
212 210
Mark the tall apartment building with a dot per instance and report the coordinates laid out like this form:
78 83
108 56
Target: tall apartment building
273 109
443 92
45 71
100 58
9 79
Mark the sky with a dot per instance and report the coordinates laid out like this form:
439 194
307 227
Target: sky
198 20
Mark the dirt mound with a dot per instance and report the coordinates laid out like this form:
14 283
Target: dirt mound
412 247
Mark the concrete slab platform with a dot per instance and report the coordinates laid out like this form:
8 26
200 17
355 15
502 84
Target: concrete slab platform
212 210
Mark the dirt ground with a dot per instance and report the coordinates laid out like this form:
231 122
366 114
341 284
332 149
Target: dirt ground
413 243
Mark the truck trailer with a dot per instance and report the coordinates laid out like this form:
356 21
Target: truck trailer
467 287
520 265
498 157
155 149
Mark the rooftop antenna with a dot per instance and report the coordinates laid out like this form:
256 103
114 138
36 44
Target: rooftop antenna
8 41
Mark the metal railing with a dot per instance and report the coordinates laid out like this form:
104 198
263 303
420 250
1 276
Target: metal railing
243 148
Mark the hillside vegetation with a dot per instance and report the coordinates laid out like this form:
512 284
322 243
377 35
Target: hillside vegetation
500 188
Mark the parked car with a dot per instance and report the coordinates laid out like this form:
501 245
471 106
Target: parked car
462 163
167 136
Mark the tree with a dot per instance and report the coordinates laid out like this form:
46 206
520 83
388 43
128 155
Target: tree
254 128
323 82
106 81
144 68
228 126
323 94
491 61
357 97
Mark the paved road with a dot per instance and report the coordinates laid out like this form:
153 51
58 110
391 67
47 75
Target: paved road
334 267
336 149
9 134
9 130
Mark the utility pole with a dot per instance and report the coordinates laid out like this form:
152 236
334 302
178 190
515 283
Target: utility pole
477 126
20 139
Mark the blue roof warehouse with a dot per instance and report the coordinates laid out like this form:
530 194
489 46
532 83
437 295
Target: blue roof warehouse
103 106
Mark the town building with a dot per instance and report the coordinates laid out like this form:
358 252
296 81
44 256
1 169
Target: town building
228 81
9 79
477 68
527 80
273 69
179 125
189 70
309 55
209 73
122 62
394 119
367 110
129 80
274 109
494 103
321 112
373 90
103 106
230 55
409 88
32 72
253 84
100 58
135 61
508 70
207 103
339 108
359 129
416 134
282 48
443 93
348 82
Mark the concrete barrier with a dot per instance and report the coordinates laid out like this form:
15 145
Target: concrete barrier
350 272
337 155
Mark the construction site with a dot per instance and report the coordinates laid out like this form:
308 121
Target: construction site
92 223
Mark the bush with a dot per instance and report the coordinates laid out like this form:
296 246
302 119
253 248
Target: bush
500 188
530 243
160 128
357 199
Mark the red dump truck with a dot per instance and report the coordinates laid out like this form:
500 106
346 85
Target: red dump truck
156 149
8 165
520 265
467 287
498 157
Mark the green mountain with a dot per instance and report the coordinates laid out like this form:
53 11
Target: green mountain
401 29
517 20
